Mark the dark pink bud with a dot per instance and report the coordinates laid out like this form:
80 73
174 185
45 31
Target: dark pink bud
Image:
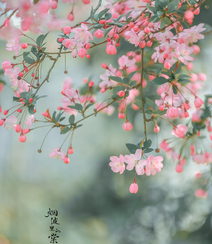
24 45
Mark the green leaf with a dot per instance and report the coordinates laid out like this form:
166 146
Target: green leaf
2 82
108 16
65 130
120 16
116 97
98 26
38 97
88 106
103 12
59 115
128 14
138 103
157 3
208 95
164 3
159 80
167 21
96 17
173 6
25 95
148 111
116 78
27 59
147 144
77 106
79 126
206 113
118 24
132 148
193 2
40 39
31 109
92 15
174 66
133 83
16 99
34 50
53 116
150 103
131 74
153 9
182 9
161 112
183 77
162 24
125 80
71 119
1 71
61 119
175 89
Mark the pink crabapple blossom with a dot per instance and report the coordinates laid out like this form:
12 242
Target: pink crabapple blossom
135 161
56 153
117 164
180 130
153 165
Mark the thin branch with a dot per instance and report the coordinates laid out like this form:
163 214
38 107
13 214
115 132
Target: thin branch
49 72
142 95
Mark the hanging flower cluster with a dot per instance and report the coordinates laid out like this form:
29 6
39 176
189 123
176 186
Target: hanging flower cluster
162 52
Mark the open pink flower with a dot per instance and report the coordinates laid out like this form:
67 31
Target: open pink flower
69 43
180 130
106 81
13 74
70 96
132 37
117 164
56 153
134 160
6 65
165 146
30 120
14 45
192 34
82 34
199 158
182 52
125 62
9 122
107 110
153 165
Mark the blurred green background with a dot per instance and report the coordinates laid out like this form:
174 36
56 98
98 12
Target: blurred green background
94 204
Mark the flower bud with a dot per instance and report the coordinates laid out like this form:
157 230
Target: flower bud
133 188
